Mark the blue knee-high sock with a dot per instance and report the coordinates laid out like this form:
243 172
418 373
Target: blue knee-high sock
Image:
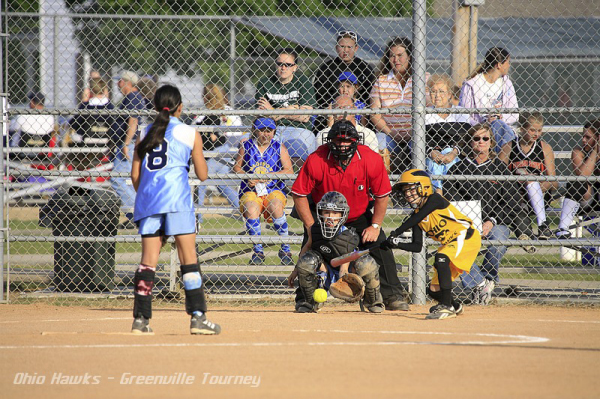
253 229
282 229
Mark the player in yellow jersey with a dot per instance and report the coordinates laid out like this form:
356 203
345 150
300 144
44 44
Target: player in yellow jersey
441 221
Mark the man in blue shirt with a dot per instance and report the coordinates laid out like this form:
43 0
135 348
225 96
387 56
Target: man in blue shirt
124 132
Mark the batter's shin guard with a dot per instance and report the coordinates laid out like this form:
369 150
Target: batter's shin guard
195 299
442 265
143 282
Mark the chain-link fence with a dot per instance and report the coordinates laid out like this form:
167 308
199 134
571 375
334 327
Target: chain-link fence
79 78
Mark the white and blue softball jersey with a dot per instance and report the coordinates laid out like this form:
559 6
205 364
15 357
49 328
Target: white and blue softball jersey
258 162
164 186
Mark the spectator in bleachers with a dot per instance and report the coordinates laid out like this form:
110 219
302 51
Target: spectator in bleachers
326 79
498 206
291 90
123 135
221 142
393 88
369 138
584 160
27 131
259 155
530 155
348 86
33 130
147 86
92 130
490 87
444 131
87 92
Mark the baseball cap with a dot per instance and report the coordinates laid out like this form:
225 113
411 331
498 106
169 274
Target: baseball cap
130 77
348 76
264 123
36 96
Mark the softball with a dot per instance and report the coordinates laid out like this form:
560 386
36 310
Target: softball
320 295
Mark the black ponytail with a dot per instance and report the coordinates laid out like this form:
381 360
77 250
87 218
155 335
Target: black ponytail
166 101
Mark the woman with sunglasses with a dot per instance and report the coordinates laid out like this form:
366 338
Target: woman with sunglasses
288 89
498 206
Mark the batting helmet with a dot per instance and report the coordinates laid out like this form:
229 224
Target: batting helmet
332 201
414 178
343 129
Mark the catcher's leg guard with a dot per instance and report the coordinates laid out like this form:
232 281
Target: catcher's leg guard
307 267
143 282
195 300
368 269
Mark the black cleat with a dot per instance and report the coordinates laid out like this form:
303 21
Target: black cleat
199 325
141 325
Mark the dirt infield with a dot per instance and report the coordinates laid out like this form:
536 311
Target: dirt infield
492 352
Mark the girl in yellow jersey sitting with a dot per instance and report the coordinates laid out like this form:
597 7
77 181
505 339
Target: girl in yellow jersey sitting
441 221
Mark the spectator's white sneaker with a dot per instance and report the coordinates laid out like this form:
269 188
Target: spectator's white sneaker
485 292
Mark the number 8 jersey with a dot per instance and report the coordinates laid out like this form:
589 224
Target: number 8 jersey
164 185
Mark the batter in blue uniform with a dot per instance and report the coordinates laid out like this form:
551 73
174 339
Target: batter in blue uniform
164 207
259 155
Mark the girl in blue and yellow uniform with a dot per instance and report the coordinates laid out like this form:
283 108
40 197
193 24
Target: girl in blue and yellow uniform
441 221
164 207
259 155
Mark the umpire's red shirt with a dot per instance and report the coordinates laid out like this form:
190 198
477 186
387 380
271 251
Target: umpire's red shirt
365 176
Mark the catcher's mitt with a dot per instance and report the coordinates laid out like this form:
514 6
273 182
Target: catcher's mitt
350 288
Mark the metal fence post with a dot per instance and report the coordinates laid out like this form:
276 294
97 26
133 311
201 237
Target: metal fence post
418 131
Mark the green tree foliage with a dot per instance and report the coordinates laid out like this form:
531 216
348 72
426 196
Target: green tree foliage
192 46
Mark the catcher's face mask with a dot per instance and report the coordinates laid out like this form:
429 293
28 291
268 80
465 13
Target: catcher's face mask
332 212
330 222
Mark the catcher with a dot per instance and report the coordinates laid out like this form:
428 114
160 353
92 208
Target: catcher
441 221
352 281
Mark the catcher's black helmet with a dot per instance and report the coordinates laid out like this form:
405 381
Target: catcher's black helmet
345 130
332 201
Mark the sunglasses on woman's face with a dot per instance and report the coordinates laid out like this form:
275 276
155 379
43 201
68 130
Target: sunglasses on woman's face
480 138
285 64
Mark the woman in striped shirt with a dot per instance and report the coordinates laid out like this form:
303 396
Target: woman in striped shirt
393 88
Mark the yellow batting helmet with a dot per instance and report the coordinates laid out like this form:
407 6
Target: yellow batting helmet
418 178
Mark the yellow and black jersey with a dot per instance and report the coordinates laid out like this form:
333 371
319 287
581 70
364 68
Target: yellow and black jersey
439 219
442 222
445 224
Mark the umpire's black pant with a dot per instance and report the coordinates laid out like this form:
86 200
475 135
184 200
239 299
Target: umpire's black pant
391 289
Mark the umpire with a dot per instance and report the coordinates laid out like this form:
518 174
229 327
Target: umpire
356 171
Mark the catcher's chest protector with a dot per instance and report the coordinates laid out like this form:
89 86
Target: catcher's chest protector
343 243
